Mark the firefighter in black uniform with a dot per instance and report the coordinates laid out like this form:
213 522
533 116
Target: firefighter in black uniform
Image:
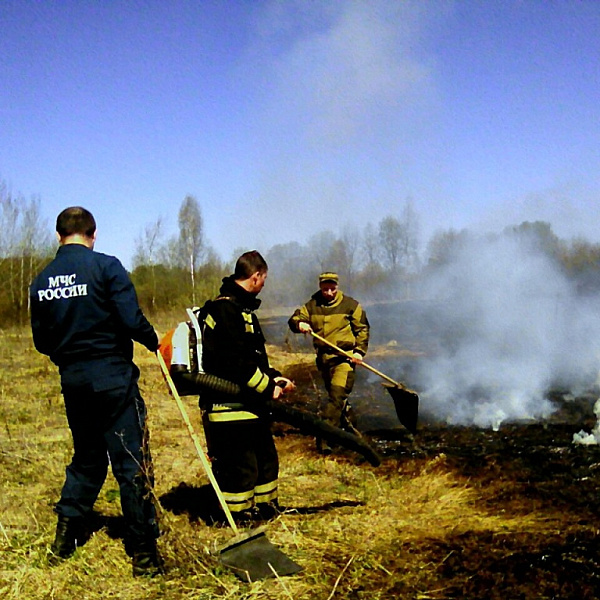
84 316
238 429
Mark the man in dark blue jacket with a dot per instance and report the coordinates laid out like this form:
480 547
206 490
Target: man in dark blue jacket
85 316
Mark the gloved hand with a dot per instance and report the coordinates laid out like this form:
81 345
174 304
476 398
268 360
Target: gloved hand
286 385
358 358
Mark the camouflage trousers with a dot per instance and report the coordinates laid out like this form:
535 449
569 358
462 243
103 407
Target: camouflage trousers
338 377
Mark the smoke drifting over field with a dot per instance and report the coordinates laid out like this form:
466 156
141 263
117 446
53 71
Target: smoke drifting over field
507 326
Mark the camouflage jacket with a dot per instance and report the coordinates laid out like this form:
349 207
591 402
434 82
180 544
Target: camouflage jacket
342 322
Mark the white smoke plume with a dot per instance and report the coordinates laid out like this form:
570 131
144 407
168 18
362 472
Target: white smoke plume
509 326
589 439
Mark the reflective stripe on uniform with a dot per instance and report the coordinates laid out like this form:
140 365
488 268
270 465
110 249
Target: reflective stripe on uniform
210 322
239 501
230 415
267 492
258 382
227 406
248 322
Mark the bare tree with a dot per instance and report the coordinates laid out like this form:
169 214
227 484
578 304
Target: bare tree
293 274
147 244
24 245
444 246
320 245
8 241
337 258
409 236
370 245
390 233
169 254
33 247
191 235
400 239
351 240
147 247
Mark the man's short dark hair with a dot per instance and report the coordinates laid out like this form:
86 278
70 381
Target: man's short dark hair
248 264
75 220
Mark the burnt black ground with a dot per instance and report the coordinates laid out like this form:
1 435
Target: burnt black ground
525 468
520 469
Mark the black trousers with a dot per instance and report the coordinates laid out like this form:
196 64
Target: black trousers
107 418
244 460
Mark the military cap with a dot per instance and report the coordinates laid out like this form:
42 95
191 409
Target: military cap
329 276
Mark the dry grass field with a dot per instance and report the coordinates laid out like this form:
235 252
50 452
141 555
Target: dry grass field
450 513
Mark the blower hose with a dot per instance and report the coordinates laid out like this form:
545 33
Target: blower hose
193 383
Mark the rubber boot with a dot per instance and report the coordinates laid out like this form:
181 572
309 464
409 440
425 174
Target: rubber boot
64 545
348 419
146 561
242 518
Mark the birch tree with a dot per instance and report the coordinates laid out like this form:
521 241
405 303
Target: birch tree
25 244
147 247
191 238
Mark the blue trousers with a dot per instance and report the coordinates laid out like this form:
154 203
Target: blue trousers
107 418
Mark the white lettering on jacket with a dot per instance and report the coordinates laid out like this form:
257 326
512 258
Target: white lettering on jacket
61 287
61 280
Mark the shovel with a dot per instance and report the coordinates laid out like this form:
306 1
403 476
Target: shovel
406 401
250 555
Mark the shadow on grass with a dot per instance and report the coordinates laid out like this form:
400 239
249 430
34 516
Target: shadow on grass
114 526
201 504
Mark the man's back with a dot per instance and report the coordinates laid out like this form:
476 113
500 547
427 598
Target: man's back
83 306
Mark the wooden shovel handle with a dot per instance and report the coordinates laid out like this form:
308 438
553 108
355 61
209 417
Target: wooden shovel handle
199 450
351 356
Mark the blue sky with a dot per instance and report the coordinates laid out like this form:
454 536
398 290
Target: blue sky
287 118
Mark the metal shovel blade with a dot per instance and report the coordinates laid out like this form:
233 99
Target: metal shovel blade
406 403
256 558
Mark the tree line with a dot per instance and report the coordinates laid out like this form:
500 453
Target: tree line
25 247
377 262
184 269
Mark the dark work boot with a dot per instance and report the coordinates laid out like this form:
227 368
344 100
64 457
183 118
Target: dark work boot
64 545
146 561
243 518
265 511
323 447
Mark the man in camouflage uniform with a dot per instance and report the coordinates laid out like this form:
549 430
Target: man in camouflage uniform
342 321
